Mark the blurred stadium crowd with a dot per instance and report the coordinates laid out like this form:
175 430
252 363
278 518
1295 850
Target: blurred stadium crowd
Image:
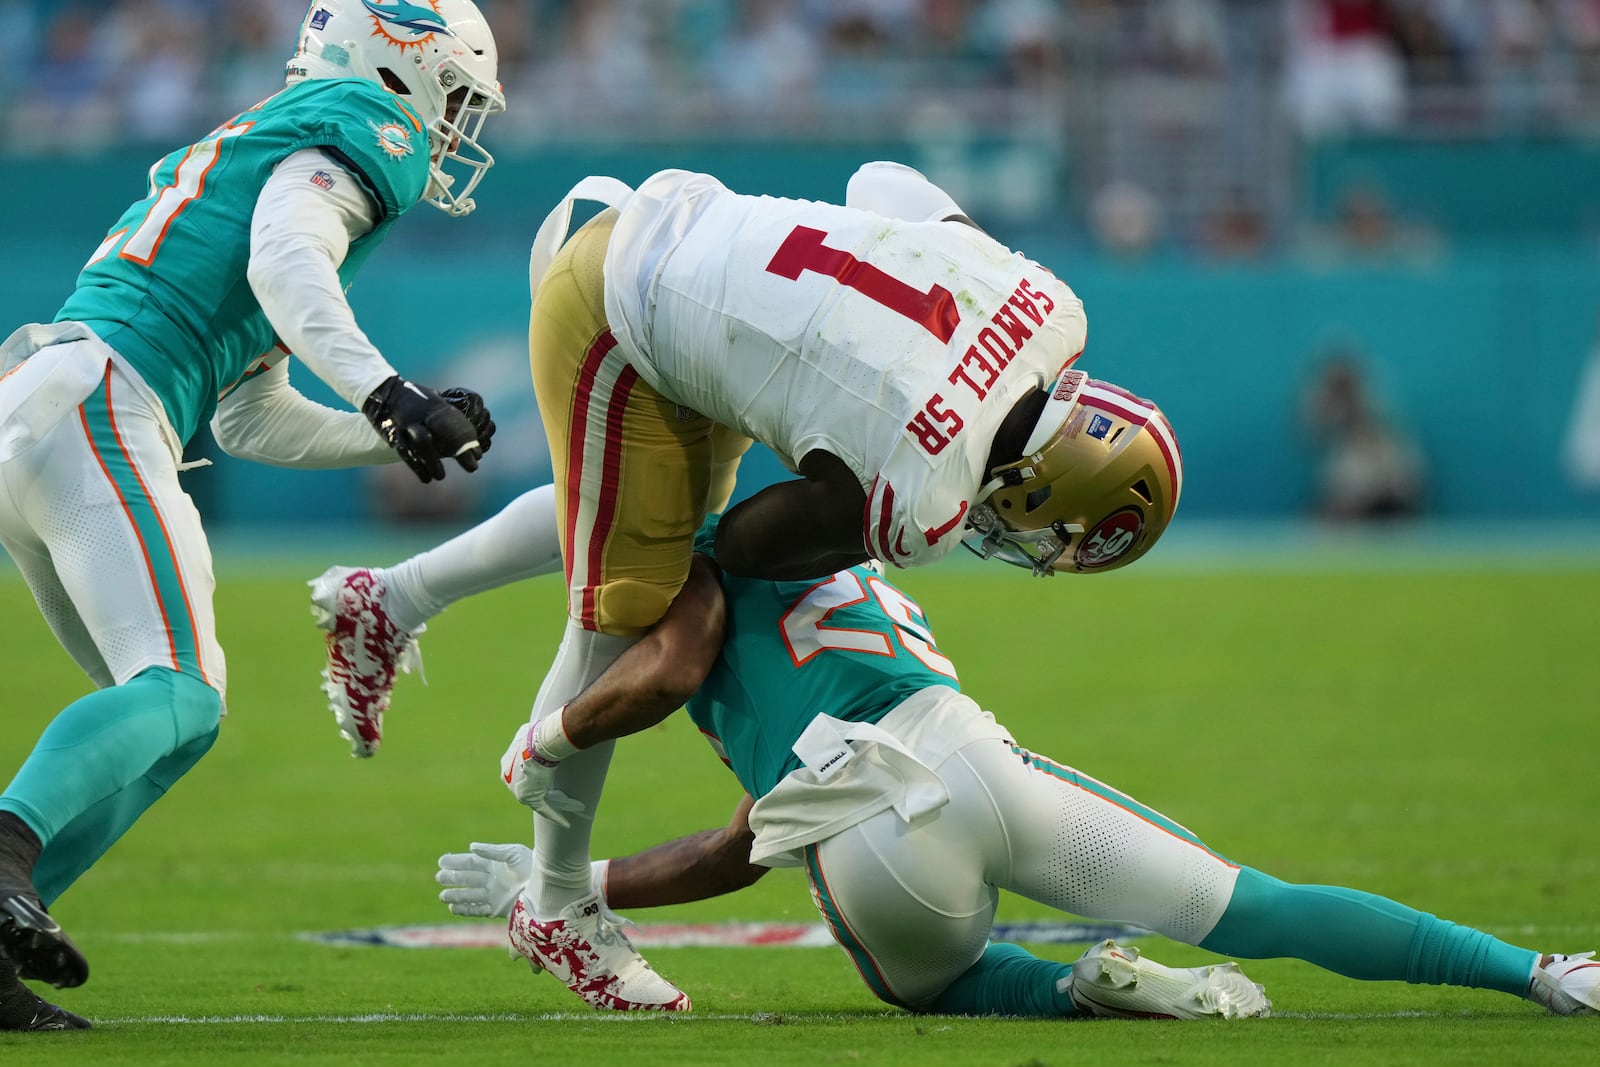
1182 119
155 69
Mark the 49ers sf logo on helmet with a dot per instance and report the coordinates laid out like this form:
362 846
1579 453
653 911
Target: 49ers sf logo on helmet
1110 539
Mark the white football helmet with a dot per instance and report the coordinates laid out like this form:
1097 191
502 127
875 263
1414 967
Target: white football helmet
437 54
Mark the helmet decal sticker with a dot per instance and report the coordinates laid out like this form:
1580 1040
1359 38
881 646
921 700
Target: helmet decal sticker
1099 426
320 17
404 24
1068 384
1110 539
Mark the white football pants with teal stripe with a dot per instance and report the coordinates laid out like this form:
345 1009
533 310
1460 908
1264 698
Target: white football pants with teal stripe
113 551
912 905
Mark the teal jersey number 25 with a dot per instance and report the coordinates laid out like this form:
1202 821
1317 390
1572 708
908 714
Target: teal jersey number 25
167 288
851 646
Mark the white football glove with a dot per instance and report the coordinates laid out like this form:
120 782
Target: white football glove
528 769
484 883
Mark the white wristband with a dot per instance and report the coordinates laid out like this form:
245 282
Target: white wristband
550 738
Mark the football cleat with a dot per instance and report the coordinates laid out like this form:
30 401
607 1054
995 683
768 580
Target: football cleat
23 1010
586 949
365 651
36 943
1115 982
1567 985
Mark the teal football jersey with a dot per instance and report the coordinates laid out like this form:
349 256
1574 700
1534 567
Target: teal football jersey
851 646
167 287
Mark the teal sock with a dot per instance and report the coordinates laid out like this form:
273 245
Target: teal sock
1008 980
81 843
103 743
1362 935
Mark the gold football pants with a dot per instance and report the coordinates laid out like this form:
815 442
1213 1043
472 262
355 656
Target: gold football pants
635 474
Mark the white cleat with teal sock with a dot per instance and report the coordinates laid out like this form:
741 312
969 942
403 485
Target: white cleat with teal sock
365 652
1567 985
1115 982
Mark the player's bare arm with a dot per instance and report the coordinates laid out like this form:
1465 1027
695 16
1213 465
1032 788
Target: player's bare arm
796 530
650 681
485 881
697 867
653 678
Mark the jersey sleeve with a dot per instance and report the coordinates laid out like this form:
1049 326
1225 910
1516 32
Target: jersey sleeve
913 517
377 136
705 538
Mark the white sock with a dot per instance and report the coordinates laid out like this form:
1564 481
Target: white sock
561 854
520 541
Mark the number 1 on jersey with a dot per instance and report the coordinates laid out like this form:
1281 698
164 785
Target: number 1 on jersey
803 250
188 183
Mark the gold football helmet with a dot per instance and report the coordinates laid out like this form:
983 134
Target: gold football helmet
1097 484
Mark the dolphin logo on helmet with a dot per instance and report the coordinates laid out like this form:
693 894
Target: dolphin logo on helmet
416 23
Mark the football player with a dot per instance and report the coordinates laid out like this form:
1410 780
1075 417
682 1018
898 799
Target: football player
910 807
913 371
238 256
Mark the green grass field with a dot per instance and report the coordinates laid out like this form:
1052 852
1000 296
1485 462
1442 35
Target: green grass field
1428 735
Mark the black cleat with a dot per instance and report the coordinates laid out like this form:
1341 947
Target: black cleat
38 946
23 1010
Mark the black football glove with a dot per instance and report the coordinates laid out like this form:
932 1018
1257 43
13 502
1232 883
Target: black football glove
472 406
423 427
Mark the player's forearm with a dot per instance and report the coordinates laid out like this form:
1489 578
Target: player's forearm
652 679
300 234
268 421
691 868
696 867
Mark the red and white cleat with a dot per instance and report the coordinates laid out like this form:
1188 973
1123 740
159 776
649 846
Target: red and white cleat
586 948
365 651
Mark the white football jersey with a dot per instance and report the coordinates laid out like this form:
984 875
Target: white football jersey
897 346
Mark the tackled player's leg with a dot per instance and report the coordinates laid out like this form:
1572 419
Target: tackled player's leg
1089 849
635 476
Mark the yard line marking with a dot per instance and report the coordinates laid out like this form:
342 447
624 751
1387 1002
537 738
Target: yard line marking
639 1017
652 1018
468 934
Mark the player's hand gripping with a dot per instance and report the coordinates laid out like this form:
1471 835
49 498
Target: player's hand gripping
484 882
528 768
472 406
425 428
